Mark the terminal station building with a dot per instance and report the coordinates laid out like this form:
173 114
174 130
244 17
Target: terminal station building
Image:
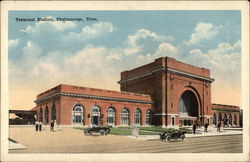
165 92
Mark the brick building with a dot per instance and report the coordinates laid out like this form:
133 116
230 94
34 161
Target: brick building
226 114
73 105
165 92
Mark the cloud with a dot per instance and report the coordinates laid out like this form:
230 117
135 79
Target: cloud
163 50
32 49
48 26
89 32
142 39
203 31
13 43
224 61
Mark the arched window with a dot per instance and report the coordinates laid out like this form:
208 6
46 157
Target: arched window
149 117
235 119
137 117
40 115
46 115
125 117
53 112
111 116
214 119
220 117
78 114
225 119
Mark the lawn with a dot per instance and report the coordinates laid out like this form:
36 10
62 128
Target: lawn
150 130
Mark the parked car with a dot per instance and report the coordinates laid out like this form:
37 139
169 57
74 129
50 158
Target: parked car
173 135
103 130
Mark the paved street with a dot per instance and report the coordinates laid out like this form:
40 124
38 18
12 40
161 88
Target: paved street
69 140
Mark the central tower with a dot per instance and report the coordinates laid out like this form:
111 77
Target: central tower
181 92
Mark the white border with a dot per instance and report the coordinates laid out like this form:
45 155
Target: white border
125 5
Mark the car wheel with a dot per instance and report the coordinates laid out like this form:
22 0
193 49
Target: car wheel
107 131
86 132
168 138
102 132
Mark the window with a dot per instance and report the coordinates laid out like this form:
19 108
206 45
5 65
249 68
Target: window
78 114
235 119
137 117
149 117
111 116
125 117
172 120
53 112
214 119
46 115
220 117
230 119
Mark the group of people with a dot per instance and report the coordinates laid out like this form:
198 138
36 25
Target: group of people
205 127
38 126
53 126
195 126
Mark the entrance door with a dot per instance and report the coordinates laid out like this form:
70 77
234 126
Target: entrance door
95 116
95 120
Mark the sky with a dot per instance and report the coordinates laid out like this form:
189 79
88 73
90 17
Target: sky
44 54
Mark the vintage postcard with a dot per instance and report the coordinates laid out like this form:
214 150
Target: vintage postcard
125 81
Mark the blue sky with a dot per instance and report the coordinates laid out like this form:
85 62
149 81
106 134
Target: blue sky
93 53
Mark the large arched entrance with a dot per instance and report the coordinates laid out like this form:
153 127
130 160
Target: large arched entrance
188 108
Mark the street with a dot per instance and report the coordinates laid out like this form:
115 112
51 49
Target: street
73 141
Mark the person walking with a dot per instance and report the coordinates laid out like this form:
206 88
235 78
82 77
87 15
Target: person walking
55 126
218 127
40 126
206 126
36 125
52 126
194 128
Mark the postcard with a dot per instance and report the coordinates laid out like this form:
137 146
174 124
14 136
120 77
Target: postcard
125 81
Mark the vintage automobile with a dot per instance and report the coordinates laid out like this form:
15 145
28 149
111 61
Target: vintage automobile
102 130
172 136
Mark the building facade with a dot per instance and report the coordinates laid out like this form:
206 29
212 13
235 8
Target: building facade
165 92
227 115
73 105
181 92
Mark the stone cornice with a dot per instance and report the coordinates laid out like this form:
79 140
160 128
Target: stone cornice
170 70
91 97
224 110
190 75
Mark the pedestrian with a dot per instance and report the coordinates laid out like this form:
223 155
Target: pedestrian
36 125
218 127
194 128
55 126
206 126
52 126
40 126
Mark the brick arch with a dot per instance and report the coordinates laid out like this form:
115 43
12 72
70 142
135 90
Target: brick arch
195 92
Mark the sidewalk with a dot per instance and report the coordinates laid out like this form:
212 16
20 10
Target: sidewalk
13 145
199 133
